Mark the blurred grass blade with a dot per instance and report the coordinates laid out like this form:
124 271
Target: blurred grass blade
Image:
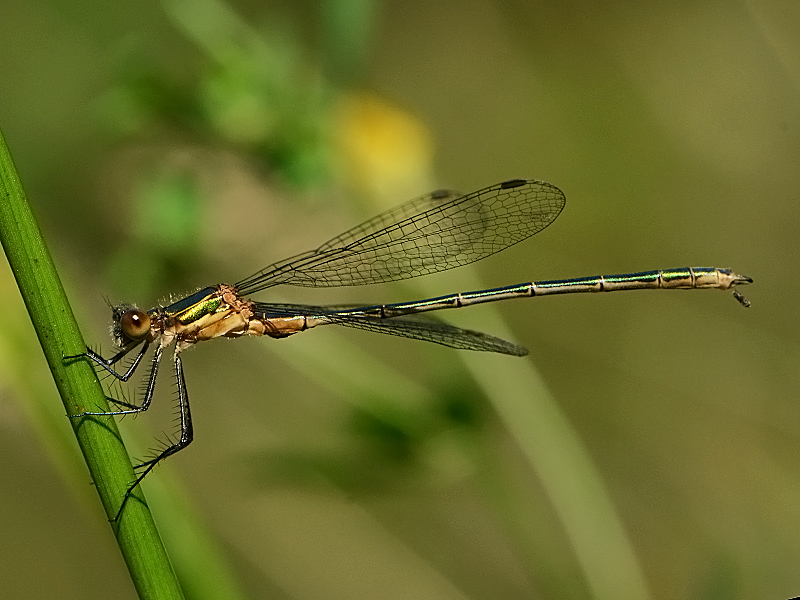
99 440
567 472
560 460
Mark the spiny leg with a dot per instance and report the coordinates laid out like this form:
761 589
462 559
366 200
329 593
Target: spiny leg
106 363
148 395
187 433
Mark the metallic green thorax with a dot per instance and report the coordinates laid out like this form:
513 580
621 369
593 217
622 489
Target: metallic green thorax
190 309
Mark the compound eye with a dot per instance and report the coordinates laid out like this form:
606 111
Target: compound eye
135 324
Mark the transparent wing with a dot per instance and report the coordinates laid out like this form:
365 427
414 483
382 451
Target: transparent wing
408 327
398 214
433 233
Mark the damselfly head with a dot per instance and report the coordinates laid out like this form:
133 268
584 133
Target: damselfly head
130 324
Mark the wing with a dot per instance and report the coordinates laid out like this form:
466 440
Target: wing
415 328
433 233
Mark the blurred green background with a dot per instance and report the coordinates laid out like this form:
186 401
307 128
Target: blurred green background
647 447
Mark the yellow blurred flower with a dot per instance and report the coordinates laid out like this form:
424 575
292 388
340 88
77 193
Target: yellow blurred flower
385 152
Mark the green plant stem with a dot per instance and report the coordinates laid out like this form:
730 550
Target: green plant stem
77 383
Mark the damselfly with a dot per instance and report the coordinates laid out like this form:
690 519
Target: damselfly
433 233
